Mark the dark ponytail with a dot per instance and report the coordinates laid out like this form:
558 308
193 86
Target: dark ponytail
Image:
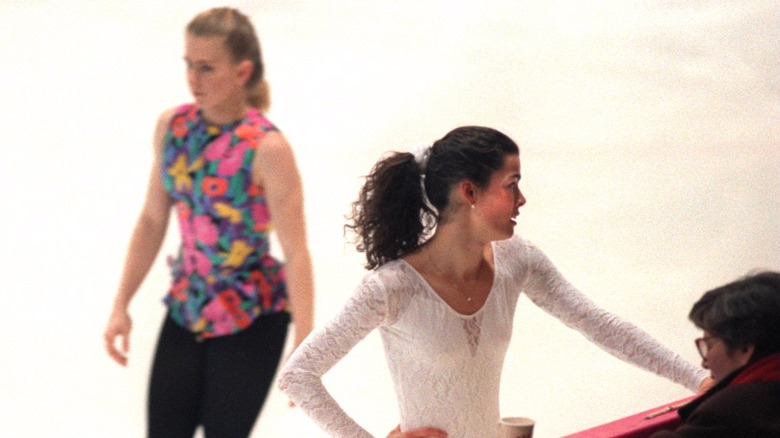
390 217
394 215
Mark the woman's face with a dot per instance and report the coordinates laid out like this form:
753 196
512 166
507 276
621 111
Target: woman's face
722 360
216 81
499 203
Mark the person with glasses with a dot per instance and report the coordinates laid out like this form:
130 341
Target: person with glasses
741 348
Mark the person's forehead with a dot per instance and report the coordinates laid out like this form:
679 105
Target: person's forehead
511 167
204 47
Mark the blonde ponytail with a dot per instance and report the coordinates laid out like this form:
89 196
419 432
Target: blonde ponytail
242 43
259 96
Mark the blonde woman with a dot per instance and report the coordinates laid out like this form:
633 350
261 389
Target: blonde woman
227 172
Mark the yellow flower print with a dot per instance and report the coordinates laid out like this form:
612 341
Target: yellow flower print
225 210
238 252
181 174
200 325
213 130
197 164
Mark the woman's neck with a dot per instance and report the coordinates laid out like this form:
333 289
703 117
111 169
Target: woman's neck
457 256
225 113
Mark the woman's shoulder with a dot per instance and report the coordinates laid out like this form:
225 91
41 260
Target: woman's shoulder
395 273
395 284
519 255
396 280
257 119
514 246
259 131
186 109
166 117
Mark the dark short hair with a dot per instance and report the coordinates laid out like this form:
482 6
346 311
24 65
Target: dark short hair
743 312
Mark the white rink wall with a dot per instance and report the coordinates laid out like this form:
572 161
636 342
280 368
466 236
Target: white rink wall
650 153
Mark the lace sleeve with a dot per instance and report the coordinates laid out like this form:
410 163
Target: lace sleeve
301 377
548 289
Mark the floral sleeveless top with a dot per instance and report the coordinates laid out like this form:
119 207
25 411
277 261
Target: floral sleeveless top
223 274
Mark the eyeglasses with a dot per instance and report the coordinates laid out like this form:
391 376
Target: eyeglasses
701 345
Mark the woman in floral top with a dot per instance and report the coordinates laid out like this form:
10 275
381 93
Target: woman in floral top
226 171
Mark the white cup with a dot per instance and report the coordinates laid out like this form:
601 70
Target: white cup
516 427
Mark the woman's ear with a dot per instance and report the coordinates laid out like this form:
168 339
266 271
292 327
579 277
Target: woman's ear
244 71
467 192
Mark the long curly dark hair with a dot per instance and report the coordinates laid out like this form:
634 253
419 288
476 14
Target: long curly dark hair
402 200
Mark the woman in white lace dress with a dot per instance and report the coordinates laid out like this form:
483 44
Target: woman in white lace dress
446 274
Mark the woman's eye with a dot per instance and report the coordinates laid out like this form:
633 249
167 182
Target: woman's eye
201 68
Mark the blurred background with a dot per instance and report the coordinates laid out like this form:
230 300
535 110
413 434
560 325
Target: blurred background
650 147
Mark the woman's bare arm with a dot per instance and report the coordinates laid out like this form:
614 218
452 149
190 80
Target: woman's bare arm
275 170
145 243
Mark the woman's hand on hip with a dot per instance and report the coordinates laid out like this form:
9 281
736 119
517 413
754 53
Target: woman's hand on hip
423 432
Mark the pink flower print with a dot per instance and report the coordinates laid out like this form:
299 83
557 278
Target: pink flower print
205 230
217 148
187 260
202 263
219 316
248 287
195 261
260 217
185 225
232 160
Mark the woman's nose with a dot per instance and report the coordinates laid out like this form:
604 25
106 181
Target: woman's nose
520 199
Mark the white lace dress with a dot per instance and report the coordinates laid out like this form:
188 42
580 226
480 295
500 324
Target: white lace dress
446 367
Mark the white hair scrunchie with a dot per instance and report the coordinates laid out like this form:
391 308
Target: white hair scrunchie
421 153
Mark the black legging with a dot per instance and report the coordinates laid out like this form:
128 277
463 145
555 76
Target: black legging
220 383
